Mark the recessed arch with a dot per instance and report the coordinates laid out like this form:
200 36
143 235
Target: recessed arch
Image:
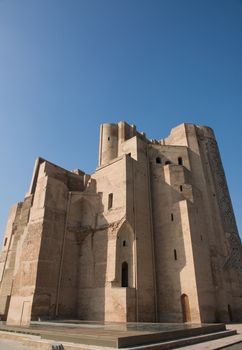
125 253
185 308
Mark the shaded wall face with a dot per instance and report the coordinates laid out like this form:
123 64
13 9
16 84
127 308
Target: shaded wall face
220 186
18 218
226 252
208 242
8 257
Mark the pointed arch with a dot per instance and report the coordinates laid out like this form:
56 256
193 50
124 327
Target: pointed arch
125 255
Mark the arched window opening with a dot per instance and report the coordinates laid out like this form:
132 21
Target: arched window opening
181 188
175 254
167 162
158 160
124 244
185 308
230 313
125 274
108 138
180 162
110 200
172 217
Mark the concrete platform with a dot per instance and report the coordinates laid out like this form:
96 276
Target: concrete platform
118 335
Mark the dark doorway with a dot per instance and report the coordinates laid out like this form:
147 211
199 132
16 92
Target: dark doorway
230 313
185 308
125 274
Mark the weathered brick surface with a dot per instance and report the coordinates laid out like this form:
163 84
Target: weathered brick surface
149 236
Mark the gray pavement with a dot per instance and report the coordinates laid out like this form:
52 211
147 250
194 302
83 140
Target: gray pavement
234 347
227 343
13 345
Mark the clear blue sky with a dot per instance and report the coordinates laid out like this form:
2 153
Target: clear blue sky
68 65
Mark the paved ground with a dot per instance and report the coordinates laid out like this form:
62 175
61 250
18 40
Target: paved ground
234 347
225 343
111 334
13 345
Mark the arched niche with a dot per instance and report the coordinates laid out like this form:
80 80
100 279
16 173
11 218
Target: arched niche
125 274
125 256
186 314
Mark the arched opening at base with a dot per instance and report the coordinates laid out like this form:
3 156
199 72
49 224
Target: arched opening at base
230 313
125 274
185 308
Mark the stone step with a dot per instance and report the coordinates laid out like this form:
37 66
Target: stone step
45 344
175 344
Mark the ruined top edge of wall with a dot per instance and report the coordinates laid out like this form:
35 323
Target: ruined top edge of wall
71 172
203 130
51 168
179 135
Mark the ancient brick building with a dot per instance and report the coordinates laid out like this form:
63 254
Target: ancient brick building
149 236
